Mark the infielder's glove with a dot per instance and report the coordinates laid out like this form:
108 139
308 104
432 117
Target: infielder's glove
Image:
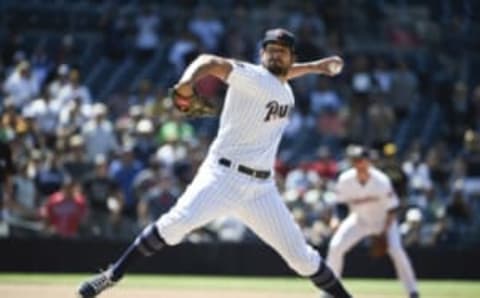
194 106
379 245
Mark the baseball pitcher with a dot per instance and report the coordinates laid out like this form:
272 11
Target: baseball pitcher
236 177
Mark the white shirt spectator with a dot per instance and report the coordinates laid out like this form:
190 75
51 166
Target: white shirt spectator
45 113
418 174
99 138
69 92
21 89
168 154
62 80
73 115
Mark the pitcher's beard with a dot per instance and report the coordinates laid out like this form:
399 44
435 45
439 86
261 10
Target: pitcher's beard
277 70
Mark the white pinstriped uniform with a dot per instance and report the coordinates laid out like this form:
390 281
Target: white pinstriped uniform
253 119
368 204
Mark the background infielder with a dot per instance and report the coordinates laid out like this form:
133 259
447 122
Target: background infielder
236 177
372 203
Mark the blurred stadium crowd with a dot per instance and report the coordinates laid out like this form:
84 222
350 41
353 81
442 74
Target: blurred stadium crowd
99 151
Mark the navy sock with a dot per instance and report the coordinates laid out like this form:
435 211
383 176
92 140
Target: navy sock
326 280
146 244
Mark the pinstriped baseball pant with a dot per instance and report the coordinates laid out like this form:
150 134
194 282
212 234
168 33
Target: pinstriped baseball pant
218 191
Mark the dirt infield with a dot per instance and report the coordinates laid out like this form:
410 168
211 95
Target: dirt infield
62 291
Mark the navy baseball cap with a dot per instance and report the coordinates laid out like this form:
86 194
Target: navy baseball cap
280 36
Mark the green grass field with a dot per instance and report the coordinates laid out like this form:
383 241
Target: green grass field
292 286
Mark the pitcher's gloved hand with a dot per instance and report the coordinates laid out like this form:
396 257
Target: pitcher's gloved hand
193 106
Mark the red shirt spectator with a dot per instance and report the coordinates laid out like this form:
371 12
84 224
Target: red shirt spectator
65 210
324 165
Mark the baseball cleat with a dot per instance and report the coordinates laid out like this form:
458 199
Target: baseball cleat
94 286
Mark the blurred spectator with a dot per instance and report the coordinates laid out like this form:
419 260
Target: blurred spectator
73 90
15 127
143 96
458 210
65 210
66 51
72 117
27 135
172 136
471 160
308 48
382 75
456 114
324 165
207 27
41 65
331 125
124 170
184 46
381 119
50 177
229 229
297 179
23 206
393 169
144 145
114 27
404 89
46 115
307 17
158 109
6 175
438 161
147 35
159 195
99 134
234 44
75 163
105 200
361 84
419 181
21 86
60 81
324 96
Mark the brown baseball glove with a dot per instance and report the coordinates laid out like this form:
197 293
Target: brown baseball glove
193 106
379 245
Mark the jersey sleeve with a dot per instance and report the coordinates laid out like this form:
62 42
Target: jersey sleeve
244 77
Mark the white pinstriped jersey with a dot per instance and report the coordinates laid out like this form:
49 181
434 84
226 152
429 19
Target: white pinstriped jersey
254 116
370 201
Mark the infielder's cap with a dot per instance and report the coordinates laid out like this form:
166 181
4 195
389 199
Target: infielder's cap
357 152
280 36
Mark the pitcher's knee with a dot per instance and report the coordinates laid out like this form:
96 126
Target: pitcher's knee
173 227
336 250
304 264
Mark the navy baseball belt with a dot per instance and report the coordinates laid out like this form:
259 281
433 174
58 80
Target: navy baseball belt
245 170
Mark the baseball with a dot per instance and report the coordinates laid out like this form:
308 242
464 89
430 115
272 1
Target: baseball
334 67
